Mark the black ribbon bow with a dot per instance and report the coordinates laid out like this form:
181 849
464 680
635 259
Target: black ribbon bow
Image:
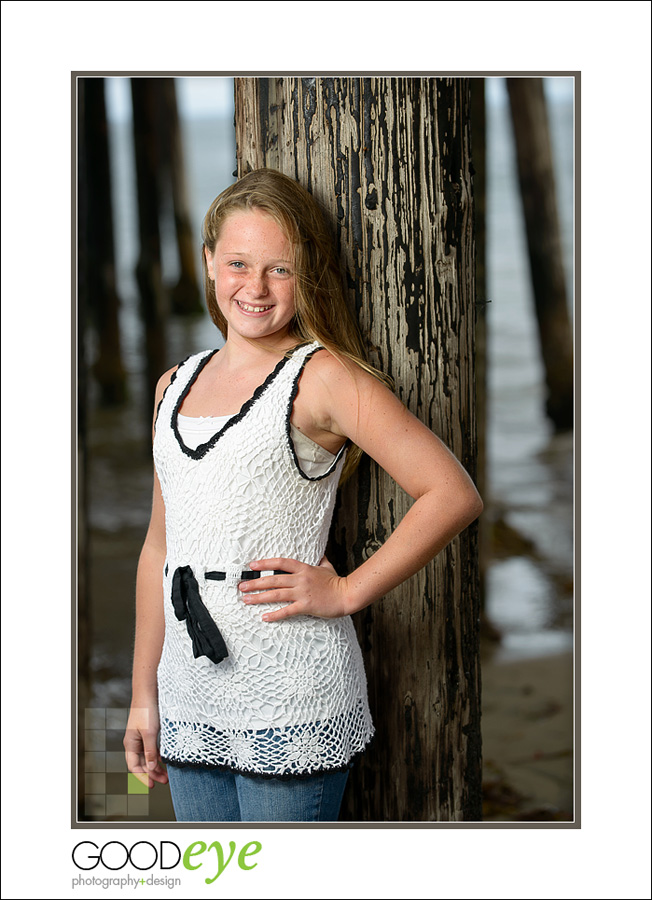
204 633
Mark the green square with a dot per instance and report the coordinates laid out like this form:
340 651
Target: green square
134 786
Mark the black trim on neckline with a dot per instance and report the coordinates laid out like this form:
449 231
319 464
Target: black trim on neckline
172 378
288 416
204 448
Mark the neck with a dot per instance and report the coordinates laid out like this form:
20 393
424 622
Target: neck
238 350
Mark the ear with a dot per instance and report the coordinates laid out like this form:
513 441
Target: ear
209 263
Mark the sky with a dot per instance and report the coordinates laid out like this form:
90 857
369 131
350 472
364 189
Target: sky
197 97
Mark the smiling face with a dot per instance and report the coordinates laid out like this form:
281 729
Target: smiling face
252 267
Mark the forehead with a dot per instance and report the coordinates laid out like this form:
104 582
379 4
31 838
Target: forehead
254 224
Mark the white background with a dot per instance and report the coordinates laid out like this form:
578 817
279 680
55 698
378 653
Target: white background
609 44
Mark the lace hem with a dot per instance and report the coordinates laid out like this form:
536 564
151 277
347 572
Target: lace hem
285 776
292 751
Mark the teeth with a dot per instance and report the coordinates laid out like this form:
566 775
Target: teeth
253 308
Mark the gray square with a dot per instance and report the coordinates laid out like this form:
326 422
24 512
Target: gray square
95 783
115 739
116 783
95 718
115 761
95 740
95 762
116 804
95 805
138 805
117 718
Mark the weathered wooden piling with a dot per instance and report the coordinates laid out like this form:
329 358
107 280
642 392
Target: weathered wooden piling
537 185
185 295
98 257
389 159
153 299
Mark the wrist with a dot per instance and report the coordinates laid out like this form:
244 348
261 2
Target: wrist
144 697
356 595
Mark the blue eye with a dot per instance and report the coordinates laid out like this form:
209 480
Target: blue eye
236 264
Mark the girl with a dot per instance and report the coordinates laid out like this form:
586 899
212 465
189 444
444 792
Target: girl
246 660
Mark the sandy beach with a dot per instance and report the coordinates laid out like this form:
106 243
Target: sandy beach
528 739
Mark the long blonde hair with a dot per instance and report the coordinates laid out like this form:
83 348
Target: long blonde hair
321 311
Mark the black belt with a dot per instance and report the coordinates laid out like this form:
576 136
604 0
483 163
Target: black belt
244 576
186 600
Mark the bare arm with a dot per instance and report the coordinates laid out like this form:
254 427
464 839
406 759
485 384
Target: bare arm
446 500
352 403
140 741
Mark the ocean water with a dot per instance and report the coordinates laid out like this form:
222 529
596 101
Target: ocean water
530 469
530 480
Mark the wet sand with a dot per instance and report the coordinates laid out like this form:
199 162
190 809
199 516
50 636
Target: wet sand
527 731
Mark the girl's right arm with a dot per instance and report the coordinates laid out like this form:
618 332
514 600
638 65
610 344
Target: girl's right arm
141 736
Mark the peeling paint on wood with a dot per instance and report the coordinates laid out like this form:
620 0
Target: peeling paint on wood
388 158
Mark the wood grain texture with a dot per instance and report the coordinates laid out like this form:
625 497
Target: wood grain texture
388 158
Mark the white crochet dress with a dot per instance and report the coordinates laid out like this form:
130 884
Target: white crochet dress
290 698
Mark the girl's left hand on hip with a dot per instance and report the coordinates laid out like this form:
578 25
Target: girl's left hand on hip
308 590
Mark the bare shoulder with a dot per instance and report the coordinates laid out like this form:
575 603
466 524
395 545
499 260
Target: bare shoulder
341 394
339 373
359 406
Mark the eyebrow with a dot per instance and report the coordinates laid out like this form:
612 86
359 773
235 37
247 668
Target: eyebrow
243 253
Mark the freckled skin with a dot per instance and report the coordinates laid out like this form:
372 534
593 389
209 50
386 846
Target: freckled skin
254 278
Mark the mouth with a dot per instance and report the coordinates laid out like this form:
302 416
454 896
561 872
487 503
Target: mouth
248 307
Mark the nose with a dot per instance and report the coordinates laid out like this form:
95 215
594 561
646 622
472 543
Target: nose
257 285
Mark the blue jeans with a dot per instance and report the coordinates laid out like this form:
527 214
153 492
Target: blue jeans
211 795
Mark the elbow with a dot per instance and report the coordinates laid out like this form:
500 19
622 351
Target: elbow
473 507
